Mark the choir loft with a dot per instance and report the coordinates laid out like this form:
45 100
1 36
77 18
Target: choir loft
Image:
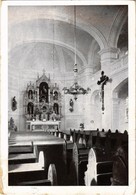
68 95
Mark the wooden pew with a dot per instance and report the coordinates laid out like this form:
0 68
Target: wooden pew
120 166
32 174
78 163
80 155
99 168
20 156
78 137
99 141
23 147
54 150
101 160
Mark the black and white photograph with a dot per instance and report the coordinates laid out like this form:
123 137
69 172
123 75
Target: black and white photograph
69 104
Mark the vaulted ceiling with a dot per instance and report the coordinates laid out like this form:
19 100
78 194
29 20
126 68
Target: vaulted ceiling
43 36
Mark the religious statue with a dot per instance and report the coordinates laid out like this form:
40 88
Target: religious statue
71 103
56 108
30 108
12 125
53 116
44 116
14 103
30 94
103 80
43 92
55 95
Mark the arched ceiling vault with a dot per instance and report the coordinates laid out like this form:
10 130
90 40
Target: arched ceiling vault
30 24
120 20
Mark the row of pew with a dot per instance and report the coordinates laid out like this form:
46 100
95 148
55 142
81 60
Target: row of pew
91 158
26 167
104 154
31 164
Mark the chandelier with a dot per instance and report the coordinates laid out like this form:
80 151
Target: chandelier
75 89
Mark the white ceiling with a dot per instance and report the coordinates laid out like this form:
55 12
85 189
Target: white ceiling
43 36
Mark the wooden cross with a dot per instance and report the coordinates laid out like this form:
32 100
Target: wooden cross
103 80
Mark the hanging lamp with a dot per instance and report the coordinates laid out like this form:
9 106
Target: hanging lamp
75 89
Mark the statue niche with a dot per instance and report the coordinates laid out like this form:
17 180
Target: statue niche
30 108
30 94
43 92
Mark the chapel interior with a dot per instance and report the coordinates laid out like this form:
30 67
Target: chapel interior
68 95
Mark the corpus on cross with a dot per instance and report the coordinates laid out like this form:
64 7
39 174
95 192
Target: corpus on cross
103 80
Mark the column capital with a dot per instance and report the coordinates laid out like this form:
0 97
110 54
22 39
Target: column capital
87 69
109 54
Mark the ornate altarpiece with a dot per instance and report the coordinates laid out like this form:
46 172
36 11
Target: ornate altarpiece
42 100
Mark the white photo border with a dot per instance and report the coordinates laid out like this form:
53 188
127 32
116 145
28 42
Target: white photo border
74 190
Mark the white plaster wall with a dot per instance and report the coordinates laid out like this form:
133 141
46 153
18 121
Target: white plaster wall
25 62
86 109
123 125
13 90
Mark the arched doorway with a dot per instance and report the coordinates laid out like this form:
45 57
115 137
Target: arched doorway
120 106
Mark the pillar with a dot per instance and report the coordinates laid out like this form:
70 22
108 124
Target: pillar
108 55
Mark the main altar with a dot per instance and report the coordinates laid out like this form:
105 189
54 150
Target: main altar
42 104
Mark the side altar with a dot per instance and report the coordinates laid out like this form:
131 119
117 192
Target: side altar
42 103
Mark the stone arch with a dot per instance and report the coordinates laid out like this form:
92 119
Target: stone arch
79 54
96 34
118 87
90 29
117 25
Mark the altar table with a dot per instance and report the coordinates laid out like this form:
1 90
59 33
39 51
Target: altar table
45 125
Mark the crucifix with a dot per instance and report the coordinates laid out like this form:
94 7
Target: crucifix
103 80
